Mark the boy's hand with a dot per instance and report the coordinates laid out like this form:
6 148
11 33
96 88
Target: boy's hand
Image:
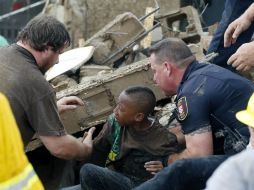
153 166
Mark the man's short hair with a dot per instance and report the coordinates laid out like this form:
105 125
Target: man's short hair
43 31
171 49
144 98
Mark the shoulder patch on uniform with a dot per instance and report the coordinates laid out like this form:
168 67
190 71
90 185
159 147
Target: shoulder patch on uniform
182 108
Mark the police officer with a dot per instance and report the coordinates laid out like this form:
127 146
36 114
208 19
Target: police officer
208 97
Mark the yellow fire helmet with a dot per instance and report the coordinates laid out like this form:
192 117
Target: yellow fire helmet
247 116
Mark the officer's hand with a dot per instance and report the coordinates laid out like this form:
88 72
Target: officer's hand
68 103
235 29
153 166
243 58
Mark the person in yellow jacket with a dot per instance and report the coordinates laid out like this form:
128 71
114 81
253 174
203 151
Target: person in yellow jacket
16 172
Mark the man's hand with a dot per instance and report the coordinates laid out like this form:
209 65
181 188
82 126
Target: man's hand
68 103
88 139
153 166
243 58
235 29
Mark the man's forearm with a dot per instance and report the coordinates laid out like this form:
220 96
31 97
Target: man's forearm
249 13
67 147
75 149
198 143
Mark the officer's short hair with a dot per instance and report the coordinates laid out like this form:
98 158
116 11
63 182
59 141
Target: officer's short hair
172 49
43 31
143 97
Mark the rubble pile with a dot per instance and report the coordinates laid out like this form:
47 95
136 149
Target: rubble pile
120 60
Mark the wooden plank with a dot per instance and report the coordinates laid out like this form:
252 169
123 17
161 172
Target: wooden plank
148 23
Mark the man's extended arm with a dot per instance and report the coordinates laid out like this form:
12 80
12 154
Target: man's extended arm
68 147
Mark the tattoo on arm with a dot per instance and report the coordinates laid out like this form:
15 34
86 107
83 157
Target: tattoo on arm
201 130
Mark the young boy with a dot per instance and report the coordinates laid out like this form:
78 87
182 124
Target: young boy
132 144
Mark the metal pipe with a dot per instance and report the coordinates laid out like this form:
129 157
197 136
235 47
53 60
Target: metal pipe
145 16
21 10
140 37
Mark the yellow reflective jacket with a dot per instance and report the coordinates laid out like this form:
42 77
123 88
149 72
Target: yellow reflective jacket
16 172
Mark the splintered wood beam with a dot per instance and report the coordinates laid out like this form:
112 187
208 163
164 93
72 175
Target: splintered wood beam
148 23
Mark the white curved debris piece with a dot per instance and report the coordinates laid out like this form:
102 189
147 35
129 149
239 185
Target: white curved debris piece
70 60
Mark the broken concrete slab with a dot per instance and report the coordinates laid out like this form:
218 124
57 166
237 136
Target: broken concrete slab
92 72
120 32
176 19
197 50
92 69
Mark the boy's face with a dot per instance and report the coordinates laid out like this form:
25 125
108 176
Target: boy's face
126 110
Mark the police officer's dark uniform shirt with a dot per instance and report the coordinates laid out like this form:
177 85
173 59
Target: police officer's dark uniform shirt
32 99
208 89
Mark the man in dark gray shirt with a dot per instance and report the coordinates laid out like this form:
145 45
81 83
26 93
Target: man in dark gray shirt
33 101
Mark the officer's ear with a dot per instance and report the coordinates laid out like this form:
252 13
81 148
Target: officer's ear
168 67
